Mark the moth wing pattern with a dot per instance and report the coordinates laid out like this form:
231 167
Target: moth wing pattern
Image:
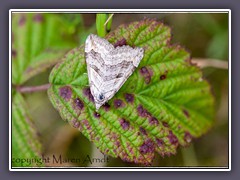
108 67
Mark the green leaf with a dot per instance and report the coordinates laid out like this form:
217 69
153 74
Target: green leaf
109 24
100 21
26 147
163 104
38 41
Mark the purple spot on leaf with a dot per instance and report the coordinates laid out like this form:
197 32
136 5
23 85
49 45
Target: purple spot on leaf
106 106
106 151
65 92
121 42
96 115
172 138
142 112
79 103
147 147
117 143
38 18
165 124
187 137
88 94
22 20
144 70
186 113
118 103
125 124
153 121
143 131
86 124
147 74
75 123
160 142
129 97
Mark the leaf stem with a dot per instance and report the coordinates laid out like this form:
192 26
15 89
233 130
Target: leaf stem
216 63
100 20
108 23
29 89
189 156
103 24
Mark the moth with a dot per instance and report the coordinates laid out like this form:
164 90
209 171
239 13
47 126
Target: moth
108 67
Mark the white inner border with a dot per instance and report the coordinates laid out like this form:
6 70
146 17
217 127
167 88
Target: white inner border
121 11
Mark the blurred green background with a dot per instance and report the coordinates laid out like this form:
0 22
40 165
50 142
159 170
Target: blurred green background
204 35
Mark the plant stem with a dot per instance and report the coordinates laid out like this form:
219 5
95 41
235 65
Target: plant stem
216 63
100 20
29 89
103 24
108 23
189 156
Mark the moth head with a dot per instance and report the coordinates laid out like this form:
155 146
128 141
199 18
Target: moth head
99 100
101 97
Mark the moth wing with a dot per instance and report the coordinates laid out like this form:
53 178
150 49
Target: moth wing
125 61
97 44
108 67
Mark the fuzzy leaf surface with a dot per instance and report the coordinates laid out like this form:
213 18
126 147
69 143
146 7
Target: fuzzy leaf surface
163 104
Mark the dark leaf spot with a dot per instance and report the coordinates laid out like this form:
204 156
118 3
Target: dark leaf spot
125 124
22 20
88 94
117 143
147 147
38 18
143 131
118 103
187 137
96 115
144 70
172 138
147 79
165 124
86 124
153 121
121 42
186 113
129 97
106 106
147 74
65 92
75 123
160 142
162 77
106 151
79 103
143 112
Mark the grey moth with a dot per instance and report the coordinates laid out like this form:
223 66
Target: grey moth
109 67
